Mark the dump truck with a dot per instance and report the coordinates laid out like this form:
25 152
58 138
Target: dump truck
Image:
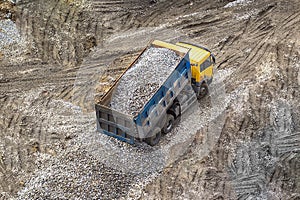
149 97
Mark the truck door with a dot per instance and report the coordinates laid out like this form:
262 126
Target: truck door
206 69
195 72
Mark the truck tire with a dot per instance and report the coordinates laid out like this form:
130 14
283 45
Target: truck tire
203 91
154 140
169 124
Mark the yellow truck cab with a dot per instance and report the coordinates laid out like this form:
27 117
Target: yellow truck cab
202 62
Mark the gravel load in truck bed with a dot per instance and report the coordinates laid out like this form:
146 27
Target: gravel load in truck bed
143 79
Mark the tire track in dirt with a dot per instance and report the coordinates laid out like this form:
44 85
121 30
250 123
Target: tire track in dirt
279 142
39 28
207 175
26 132
251 181
291 20
51 34
11 153
261 74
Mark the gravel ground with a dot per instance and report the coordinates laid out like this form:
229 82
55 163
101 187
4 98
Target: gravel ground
237 2
95 166
78 176
133 91
12 45
9 33
249 38
76 172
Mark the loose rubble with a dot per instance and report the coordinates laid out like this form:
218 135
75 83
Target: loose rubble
250 142
136 87
78 176
76 172
12 45
9 33
237 2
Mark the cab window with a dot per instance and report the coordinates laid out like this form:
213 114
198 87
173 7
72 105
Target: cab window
205 64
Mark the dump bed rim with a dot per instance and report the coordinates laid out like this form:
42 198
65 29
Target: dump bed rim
113 110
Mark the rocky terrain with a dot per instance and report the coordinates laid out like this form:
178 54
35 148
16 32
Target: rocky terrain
240 142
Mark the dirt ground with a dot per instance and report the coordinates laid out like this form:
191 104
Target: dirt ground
65 43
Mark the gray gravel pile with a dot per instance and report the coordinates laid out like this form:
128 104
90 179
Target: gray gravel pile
143 79
78 176
12 45
9 33
73 172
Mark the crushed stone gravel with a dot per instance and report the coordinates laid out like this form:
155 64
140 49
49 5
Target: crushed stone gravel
12 44
68 179
9 33
136 87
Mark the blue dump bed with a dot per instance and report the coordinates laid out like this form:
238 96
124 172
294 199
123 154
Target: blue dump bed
129 128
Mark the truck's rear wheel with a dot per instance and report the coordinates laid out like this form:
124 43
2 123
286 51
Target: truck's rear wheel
154 140
169 124
203 91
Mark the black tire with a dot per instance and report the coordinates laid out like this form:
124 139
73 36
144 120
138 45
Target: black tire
169 124
203 91
154 140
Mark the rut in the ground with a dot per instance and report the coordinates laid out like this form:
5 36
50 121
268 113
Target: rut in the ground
258 41
260 143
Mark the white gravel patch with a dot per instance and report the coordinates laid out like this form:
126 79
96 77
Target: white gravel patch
237 2
9 33
12 45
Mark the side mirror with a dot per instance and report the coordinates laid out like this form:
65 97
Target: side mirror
213 58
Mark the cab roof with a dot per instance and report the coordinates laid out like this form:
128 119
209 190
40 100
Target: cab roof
180 50
197 53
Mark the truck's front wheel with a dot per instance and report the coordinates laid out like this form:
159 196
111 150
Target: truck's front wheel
203 91
154 140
